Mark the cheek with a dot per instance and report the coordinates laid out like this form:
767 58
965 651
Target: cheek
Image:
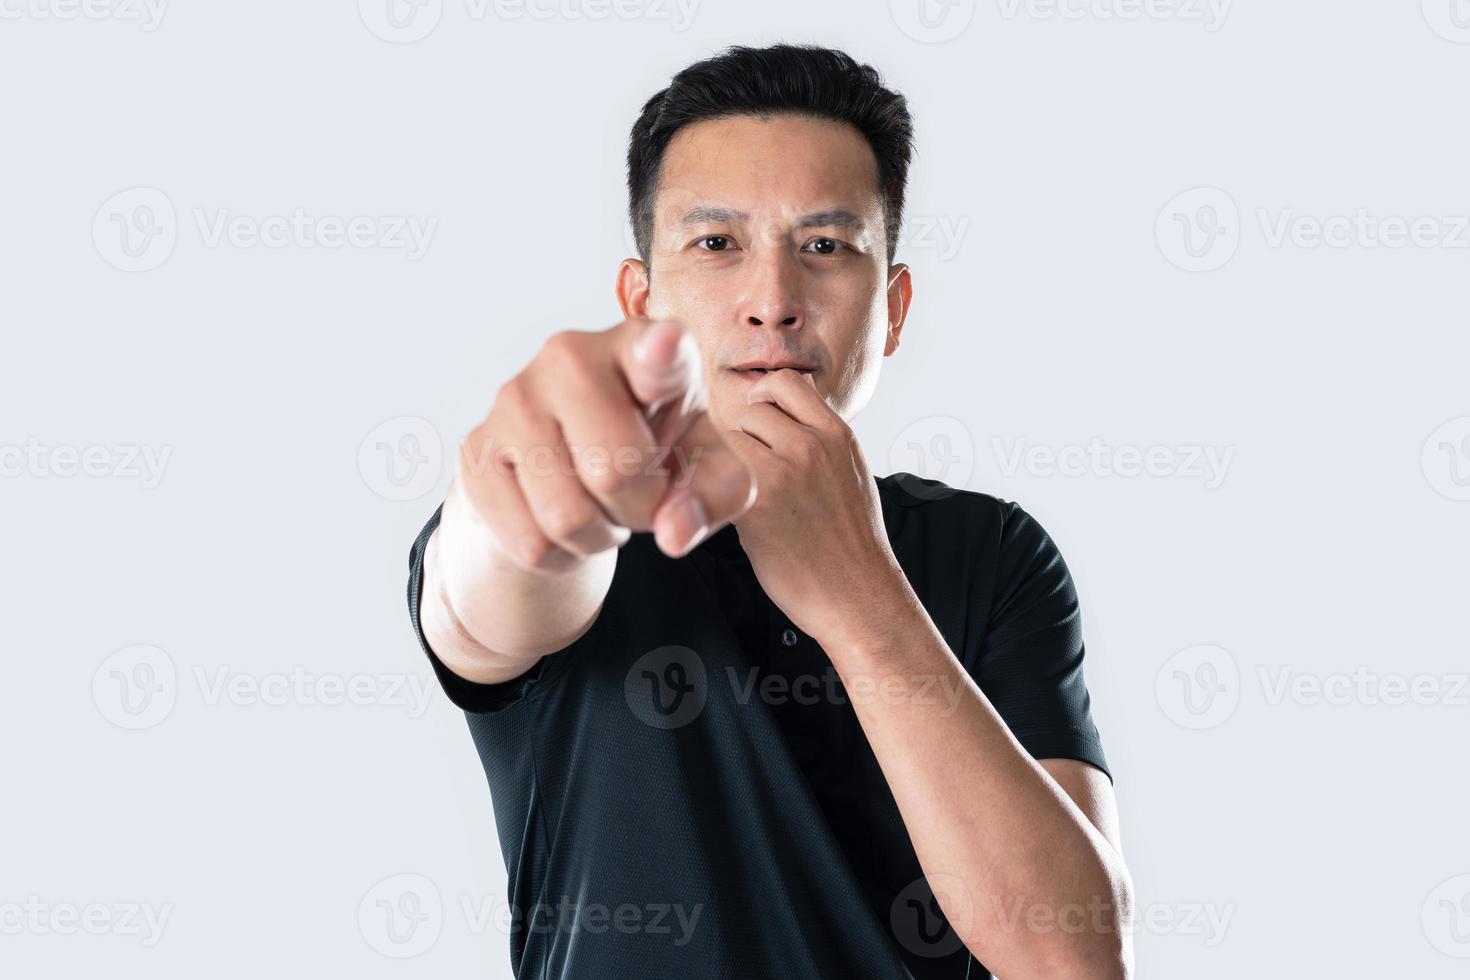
671 300
854 378
678 292
726 401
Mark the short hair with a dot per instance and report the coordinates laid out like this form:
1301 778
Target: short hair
782 79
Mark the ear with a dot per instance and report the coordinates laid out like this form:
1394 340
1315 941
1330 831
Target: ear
632 288
900 294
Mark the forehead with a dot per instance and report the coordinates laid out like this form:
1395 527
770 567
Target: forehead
780 162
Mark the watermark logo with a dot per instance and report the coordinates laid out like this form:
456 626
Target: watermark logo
401 916
937 691
1450 19
924 914
1199 229
135 230
932 21
1446 459
136 687
401 459
666 687
669 687
935 448
670 922
400 21
1199 687
1446 917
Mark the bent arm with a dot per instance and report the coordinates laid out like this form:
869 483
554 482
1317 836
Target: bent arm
488 619
1029 881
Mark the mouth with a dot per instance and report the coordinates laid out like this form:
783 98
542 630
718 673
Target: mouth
755 373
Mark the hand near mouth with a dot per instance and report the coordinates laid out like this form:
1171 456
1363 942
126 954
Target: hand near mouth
815 534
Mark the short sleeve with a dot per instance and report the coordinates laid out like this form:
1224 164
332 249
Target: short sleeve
1031 653
464 694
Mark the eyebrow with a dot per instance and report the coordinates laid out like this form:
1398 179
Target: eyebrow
701 214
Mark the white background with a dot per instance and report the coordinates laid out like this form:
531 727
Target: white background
1269 832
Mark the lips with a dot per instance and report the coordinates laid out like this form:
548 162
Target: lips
753 373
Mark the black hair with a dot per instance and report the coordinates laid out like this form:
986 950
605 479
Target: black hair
782 79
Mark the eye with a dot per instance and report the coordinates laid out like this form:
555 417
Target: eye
827 246
715 243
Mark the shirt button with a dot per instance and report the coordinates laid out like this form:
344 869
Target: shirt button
789 638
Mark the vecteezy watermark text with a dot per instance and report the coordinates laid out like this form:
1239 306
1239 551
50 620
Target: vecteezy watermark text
407 21
1208 464
147 14
669 687
581 460
137 229
137 688
122 461
1200 230
1210 13
1201 686
403 915
37 917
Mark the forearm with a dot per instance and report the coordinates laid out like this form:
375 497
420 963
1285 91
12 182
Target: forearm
1044 893
488 618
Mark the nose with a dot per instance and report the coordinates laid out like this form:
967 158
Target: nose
774 292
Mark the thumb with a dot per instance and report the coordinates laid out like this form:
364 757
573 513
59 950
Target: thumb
661 362
712 488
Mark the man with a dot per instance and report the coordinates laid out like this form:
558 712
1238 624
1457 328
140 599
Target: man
745 709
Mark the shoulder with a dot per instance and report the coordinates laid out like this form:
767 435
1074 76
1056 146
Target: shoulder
935 505
998 545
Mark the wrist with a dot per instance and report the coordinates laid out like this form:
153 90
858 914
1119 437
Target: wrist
890 612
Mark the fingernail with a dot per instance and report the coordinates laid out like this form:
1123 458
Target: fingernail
643 347
692 511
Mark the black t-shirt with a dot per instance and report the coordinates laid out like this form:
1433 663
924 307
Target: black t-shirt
685 790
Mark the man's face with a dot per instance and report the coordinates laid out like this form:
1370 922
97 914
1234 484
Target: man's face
768 244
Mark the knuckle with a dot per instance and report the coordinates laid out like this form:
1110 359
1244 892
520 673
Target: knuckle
577 368
557 345
566 522
474 458
540 554
526 547
565 348
513 399
605 482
